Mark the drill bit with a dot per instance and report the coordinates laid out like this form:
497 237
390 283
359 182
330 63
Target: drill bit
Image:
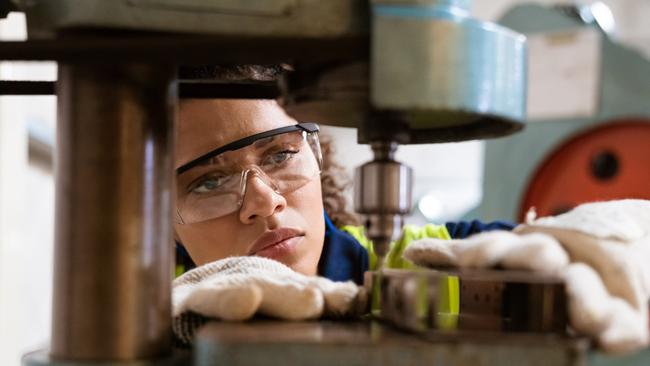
381 247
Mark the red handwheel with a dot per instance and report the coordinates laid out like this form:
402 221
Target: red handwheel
610 161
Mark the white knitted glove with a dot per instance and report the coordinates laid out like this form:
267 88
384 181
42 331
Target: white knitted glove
602 249
237 288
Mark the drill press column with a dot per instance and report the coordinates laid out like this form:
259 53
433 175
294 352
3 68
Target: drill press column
113 239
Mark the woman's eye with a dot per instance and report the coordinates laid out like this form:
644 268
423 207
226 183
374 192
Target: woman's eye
280 157
209 184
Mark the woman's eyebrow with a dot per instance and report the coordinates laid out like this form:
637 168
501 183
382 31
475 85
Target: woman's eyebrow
215 160
210 163
196 172
265 141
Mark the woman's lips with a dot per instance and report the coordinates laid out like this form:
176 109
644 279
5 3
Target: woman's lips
280 249
277 243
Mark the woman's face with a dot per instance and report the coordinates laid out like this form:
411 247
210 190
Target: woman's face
264 215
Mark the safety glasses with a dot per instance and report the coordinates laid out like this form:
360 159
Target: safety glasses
214 184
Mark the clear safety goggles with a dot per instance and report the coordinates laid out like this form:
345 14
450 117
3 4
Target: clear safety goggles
214 185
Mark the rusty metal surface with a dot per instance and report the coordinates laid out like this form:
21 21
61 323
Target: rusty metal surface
161 49
186 89
41 358
113 240
253 18
371 343
27 87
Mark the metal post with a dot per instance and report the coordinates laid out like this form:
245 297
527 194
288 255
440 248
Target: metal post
113 241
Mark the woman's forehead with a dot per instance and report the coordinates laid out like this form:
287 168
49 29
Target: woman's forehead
206 124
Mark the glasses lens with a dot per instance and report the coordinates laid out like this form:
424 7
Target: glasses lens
215 188
291 162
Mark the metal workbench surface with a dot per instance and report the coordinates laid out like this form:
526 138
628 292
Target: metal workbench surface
269 342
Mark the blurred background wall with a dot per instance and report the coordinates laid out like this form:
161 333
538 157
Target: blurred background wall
26 207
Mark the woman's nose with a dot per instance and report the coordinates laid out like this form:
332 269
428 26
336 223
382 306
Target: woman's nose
259 200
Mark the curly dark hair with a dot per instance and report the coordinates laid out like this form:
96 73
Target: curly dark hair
232 72
334 180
